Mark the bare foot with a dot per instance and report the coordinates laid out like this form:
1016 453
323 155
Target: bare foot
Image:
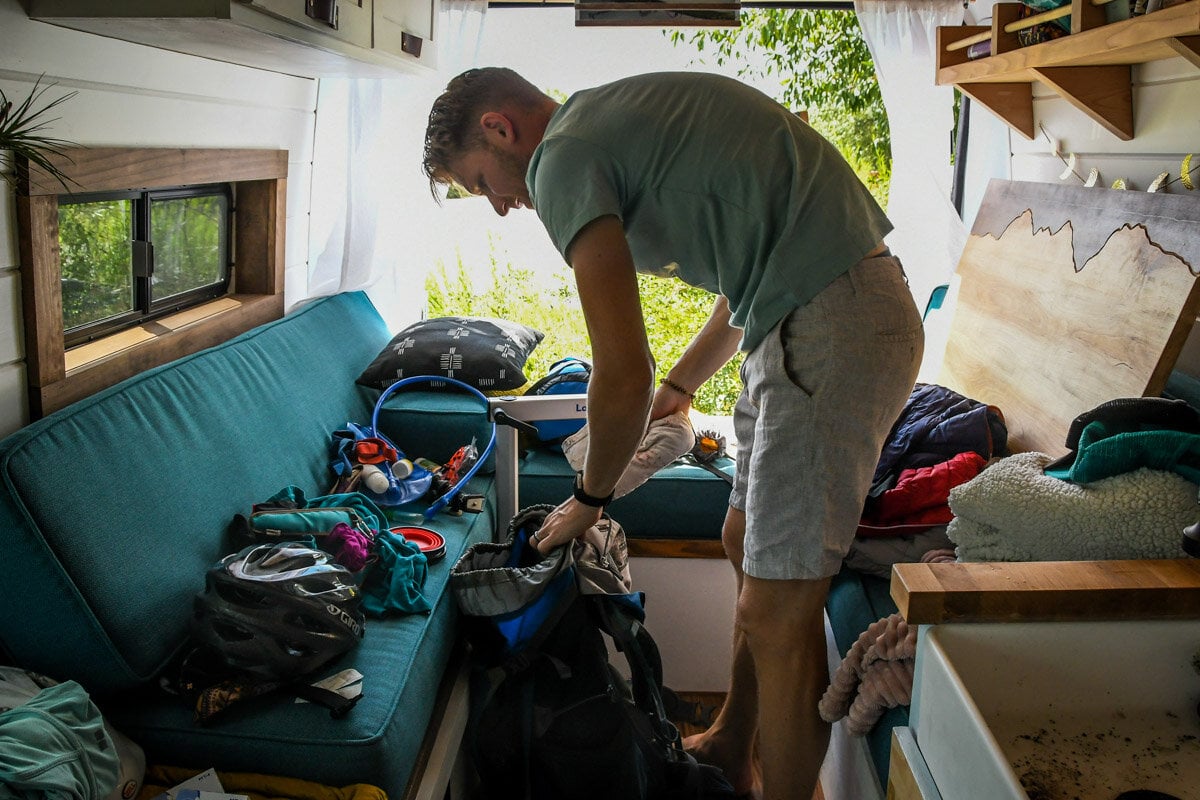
731 756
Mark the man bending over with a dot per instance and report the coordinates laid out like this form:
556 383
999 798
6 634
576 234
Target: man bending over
702 178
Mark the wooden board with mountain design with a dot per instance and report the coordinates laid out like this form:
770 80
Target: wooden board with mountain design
1069 297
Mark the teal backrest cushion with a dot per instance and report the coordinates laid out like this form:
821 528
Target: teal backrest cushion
434 424
114 508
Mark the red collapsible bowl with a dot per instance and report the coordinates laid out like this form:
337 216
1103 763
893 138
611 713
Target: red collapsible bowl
430 542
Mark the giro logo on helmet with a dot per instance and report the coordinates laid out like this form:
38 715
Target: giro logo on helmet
345 618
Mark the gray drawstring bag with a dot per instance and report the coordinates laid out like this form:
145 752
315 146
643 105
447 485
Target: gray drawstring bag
516 589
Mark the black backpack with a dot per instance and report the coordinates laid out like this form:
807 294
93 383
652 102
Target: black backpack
551 718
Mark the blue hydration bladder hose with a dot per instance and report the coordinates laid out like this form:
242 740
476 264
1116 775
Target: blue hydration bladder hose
445 499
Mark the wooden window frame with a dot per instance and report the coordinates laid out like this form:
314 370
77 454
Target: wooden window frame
56 376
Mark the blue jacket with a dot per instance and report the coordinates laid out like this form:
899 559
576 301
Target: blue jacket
937 424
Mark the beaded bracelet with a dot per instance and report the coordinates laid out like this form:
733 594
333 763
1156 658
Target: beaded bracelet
670 384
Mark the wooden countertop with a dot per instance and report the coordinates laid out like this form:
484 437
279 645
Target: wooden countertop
1047 590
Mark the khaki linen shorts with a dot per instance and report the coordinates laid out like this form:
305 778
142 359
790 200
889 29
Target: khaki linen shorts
820 395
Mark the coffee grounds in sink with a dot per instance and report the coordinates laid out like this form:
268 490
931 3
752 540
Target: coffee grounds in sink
1080 760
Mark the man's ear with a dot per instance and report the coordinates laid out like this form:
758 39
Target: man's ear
497 127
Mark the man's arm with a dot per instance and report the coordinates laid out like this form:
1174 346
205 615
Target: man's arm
622 379
714 344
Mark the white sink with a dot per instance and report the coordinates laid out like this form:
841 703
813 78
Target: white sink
1044 710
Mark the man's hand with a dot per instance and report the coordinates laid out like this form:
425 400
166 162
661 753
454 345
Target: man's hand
667 401
564 524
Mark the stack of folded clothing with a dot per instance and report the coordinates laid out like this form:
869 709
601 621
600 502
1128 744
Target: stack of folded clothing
1126 490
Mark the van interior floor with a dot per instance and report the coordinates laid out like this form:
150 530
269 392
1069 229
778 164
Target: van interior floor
698 709
693 712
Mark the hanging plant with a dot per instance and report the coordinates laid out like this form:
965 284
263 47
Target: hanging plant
23 131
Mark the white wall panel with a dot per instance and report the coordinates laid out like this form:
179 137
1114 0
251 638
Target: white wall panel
35 47
299 184
296 245
1139 171
295 285
8 224
1166 119
696 648
299 188
12 339
114 117
1164 70
14 403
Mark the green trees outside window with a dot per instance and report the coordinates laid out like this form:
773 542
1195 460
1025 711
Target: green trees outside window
187 233
95 242
823 67
126 258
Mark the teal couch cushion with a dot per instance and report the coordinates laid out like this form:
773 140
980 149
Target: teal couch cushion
115 506
680 501
434 424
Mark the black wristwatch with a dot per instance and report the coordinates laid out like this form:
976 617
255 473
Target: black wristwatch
587 499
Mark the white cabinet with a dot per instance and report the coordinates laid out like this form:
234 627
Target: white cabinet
311 38
405 27
345 20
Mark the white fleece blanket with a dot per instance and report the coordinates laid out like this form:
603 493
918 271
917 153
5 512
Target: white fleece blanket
1012 511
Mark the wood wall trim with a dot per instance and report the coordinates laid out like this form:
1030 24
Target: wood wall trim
259 178
112 169
908 779
41 290
676 548
252 310
260 227
1103 93
1188 47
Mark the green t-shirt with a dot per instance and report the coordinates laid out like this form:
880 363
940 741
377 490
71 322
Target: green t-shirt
714 183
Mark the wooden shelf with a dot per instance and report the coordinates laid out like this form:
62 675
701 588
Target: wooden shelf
1090 68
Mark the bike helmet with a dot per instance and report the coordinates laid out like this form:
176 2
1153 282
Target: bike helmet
278 610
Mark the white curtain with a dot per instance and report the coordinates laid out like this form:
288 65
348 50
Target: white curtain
370 199
902 37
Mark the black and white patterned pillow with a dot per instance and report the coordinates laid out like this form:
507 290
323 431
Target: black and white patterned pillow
486 353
